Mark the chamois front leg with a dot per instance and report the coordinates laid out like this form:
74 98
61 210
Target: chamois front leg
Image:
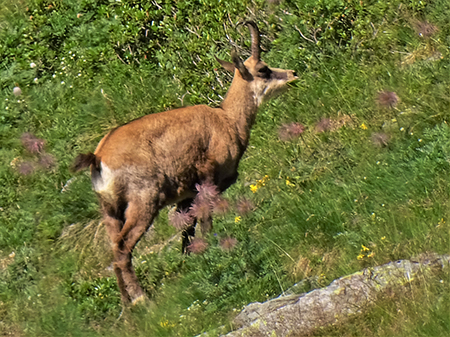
189 232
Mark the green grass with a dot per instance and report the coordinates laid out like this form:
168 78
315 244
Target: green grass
326 193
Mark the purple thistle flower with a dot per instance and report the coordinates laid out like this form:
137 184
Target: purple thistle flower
200 209
425 29
290 131
244 206
47 161
387 99
220 205
197 246
32 143
380 139
323 125
228 243
26 168
207 191
181 219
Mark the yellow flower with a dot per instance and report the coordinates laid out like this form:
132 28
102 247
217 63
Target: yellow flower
363 126
237 219
364 248
253 188
372 254
288 183
383 238
360 256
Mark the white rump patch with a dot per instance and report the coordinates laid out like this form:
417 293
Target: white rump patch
103 181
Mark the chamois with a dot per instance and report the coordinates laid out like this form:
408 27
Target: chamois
158 159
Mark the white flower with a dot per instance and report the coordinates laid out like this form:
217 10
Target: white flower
17 91
62 82
35 80
32 65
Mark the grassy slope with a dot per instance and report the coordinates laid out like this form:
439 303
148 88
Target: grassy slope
327 194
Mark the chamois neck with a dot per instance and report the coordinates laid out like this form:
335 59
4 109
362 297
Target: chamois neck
240 107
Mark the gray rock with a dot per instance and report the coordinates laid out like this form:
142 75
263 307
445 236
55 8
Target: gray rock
296 315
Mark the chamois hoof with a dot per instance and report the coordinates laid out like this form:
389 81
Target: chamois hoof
140 300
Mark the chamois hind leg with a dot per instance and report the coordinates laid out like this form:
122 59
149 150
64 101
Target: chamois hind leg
113 227
139 216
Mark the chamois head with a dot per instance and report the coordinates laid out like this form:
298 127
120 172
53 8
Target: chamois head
264 82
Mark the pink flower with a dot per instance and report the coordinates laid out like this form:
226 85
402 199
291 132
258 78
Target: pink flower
244 206
181 219
228 243
425 29
32 143
26 168
380 139
220 205
323 125
207 191
47 161
387 99
197 246
200 209
290 131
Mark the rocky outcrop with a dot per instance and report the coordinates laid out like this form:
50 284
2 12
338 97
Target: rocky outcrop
302 314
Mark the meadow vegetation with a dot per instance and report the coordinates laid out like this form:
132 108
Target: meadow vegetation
348 169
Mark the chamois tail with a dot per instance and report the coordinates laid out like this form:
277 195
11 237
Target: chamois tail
84 160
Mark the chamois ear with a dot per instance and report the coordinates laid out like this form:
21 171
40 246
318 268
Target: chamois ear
240 66
226 65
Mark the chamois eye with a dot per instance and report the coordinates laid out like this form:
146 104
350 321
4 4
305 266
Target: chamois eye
264 72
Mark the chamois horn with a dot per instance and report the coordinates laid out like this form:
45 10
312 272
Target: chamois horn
254 32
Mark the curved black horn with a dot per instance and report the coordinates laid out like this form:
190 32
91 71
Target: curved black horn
254 32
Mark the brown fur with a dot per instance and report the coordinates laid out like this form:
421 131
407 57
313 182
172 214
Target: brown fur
84 160
158 159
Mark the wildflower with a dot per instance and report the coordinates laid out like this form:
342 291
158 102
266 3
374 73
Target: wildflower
387 99
32 65
380 139
17 91
237 219
26 168
288 183
207 191
228 243
47 161
32 143
425 29
323 125
244 206
253 188
197 246
220 205
290 131
364 248
363 126
360 256
383 238
35 80
181 219
200 209
372 254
